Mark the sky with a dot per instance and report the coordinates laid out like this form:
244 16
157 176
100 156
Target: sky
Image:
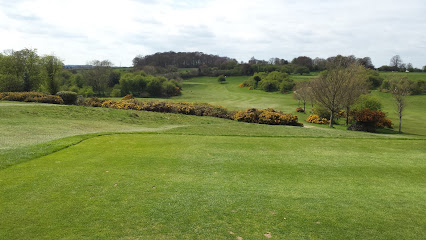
80 31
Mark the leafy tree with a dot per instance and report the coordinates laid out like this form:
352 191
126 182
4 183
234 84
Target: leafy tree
114 78
287 85
24 65
400 87
98 76
51 66
366 62
10 83
301 70
303 61
374 79
368 101
269 85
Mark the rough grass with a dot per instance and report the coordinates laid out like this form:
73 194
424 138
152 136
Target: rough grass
215 187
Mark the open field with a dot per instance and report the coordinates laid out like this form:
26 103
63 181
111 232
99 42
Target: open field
85 173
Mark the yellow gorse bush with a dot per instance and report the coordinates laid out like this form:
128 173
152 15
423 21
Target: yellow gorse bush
266 116
31 97
314 118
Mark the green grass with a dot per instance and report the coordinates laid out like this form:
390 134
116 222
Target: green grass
77 172
229 95
152 186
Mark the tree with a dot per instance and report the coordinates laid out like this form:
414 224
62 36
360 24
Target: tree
31 71
302 70
356 84
24 65
98 76
400 87
331 88
410 67
396 61
303 91
51 66
366 62
303 61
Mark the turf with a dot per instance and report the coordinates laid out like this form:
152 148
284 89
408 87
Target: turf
153 186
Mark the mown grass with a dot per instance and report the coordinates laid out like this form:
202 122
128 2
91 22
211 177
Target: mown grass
77 173
161 186
28 129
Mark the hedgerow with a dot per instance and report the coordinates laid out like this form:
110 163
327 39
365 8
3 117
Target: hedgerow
261 116
31 97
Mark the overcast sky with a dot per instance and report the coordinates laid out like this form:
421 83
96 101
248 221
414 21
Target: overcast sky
82 30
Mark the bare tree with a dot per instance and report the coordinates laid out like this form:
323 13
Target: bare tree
396 61
400 87
303 91
328 90
356 84
336 87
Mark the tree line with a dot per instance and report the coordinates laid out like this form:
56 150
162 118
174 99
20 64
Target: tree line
193 64
26 71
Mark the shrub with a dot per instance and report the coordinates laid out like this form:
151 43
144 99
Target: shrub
221 79
299 109
269 85
367 101
322 112
116 92
31 97
70 98
266 116
128 97
287 86
314 118
368 120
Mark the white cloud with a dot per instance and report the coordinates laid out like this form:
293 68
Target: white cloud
79 31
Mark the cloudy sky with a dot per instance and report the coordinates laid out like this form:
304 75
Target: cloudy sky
82 30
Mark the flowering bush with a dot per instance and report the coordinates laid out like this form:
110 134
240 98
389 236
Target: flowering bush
128 96
31 97
314 118
266 116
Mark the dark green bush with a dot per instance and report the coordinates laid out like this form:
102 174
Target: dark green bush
70 98
269 85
